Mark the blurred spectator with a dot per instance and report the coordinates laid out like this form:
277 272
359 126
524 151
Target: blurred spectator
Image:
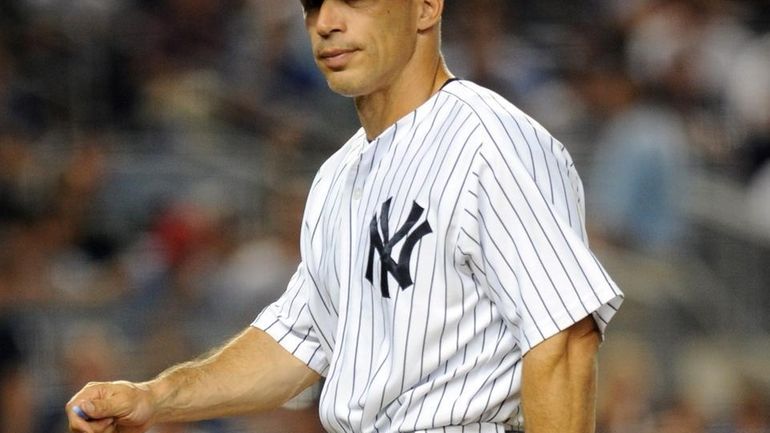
626 391
639 177
17 411
257 272
752 413
680 416
758 201
748 97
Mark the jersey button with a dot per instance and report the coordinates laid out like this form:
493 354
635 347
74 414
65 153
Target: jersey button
357 194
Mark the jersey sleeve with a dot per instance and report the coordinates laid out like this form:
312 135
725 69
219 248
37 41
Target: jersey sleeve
534 260
289 322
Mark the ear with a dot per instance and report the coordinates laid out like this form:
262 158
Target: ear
430 14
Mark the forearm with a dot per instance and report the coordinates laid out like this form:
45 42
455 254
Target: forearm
559 382
250 373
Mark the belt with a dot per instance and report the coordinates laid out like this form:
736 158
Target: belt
472 428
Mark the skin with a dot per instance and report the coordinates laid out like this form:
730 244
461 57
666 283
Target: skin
388 55
249 374
559 381
385 55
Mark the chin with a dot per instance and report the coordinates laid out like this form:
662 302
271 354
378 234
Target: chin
346 86
344 89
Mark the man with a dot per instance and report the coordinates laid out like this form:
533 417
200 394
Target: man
445 281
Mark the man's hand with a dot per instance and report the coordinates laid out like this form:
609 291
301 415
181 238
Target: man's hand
121 407
250 373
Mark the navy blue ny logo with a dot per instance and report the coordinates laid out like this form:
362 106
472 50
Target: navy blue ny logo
384 245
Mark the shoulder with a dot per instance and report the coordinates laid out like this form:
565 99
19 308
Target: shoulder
338 158
333 164
329 171
503 122
489 107
509 132
519 152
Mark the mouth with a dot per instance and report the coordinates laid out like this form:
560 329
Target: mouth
335 58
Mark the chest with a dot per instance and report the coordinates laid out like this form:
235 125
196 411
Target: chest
389 221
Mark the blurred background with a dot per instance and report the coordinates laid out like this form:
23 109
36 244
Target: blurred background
155 157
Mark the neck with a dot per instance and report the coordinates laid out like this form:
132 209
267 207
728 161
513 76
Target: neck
380 109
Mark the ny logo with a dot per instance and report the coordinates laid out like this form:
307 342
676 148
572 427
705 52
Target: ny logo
384 246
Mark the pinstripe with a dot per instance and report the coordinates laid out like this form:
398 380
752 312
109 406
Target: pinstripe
297 318
411 308
471 263
299 344
518 427
564 188
391 165
362 238
532 243
268 327
444 261
481 99
537 219
336 205
475 330
430 169
321 295
546 161
350 259
433 274
484 101
507 262
521 133
333 373
499 408
319 330
334 183
445 352
383 307
293 301
491 267
490 375
422 148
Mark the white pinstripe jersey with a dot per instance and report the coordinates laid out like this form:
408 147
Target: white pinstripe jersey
473 214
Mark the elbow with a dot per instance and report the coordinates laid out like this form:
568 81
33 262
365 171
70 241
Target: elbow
577 344
559 381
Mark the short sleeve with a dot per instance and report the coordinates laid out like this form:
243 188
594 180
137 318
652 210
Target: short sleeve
289 321
534 262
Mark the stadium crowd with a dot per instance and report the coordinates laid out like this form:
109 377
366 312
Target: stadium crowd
155 156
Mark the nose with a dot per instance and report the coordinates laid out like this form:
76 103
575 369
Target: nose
329 19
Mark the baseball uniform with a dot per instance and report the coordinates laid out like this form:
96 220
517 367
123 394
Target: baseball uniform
433 258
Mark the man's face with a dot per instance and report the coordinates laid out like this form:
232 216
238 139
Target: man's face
361 46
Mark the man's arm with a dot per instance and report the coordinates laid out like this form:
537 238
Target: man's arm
559 381
250 373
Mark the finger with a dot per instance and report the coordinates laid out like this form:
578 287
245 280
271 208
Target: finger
81 413
77 424
87 410
105 407
106 425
